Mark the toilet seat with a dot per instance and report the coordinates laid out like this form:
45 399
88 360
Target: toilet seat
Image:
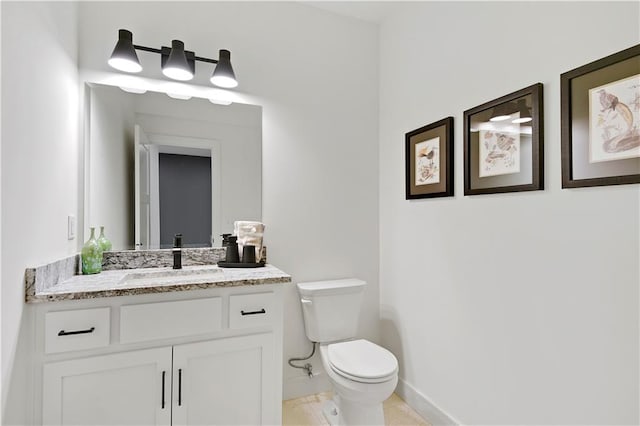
362 361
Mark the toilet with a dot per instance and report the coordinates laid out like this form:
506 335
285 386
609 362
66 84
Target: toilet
362 373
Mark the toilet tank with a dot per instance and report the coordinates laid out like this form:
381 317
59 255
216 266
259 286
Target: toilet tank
331 309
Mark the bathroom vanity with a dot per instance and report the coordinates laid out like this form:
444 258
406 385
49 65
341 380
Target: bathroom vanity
200 345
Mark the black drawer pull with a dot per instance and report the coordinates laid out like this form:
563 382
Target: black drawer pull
164 373
71 333
179 386
261 311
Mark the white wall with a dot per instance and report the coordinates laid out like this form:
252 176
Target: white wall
316 77
40 167
517 308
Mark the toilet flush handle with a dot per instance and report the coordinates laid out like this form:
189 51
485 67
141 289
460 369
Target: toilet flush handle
306 301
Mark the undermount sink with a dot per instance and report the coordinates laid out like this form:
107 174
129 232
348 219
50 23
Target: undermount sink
171 276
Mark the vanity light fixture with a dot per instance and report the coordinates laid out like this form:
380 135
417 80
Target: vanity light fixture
176 63
176 66
500 113
525 112
124 56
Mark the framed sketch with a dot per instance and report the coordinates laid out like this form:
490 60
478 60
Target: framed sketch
600 105
503 144
429 160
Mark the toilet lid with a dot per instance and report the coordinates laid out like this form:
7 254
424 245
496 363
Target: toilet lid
362 360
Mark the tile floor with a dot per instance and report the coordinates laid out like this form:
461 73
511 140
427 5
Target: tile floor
307 411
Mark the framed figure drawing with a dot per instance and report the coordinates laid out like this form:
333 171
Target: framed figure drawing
503 144
601 121
429 160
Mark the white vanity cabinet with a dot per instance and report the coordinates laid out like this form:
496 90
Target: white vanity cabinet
225 382
210 357
118 389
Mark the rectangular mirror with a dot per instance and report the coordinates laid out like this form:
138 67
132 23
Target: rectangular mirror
158 166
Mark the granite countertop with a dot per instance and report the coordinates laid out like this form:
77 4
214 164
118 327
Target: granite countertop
123 282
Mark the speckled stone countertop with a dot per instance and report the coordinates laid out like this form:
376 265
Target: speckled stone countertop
132 272
124 282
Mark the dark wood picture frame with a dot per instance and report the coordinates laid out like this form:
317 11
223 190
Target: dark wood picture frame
430 149
511 156
584 96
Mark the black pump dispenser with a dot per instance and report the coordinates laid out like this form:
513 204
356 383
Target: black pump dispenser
233 256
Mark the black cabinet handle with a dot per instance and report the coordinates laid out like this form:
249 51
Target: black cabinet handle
164 373
179 386
71 333
261 311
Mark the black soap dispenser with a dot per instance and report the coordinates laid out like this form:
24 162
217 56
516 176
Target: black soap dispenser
231 243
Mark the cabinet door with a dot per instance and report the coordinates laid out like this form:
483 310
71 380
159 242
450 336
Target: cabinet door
119 389
225 382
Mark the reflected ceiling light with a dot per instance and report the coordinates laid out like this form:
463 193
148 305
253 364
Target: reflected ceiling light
124 56
179 96
135 90
176 63
499 113
220 102
525 112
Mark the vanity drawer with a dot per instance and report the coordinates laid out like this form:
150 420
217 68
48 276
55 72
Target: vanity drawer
76 330
164 320
251 310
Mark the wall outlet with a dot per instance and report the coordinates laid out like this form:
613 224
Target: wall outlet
71 227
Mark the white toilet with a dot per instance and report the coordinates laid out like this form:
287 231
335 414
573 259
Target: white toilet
363 374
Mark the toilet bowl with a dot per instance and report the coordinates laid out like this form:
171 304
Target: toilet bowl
362 373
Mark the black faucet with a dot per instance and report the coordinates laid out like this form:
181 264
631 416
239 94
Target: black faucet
177 251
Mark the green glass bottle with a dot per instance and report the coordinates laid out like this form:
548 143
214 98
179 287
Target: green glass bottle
105 244
91 255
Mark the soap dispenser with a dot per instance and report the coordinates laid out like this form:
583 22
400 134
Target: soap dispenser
233 256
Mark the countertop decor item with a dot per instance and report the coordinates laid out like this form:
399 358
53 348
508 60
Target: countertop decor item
600 116
91 255
249 233
504 144
231 243
105 244
429 160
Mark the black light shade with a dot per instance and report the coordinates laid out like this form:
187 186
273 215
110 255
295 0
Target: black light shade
223 75
124 56
177 66
525 112
500 113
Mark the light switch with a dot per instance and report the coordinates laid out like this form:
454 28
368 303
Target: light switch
71 227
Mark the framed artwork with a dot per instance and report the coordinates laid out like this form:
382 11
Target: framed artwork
600 117
429 160
503 144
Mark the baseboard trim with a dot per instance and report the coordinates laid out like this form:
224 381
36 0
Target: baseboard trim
424 406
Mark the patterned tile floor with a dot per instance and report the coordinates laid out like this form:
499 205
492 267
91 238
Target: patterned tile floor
307 411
